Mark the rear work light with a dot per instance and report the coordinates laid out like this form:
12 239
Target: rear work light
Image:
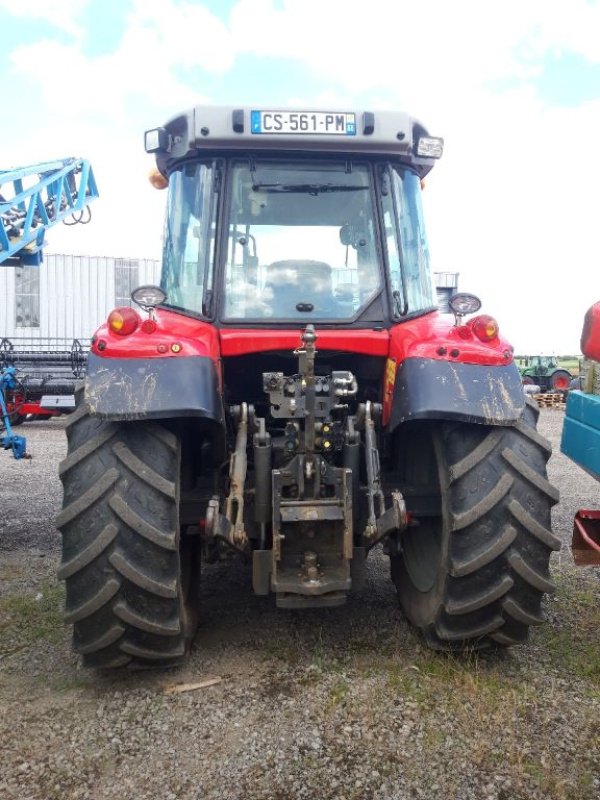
148 297
485 328
157 140
430 146
123 320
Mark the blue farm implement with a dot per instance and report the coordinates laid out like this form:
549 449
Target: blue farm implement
34 198
9 383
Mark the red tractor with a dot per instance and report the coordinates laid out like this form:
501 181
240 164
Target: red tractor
290 393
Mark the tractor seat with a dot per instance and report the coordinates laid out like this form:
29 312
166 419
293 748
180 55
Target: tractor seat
301 281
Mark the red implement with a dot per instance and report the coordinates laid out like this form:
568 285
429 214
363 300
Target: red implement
586 537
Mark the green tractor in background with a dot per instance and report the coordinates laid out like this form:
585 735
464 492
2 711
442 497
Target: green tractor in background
545 372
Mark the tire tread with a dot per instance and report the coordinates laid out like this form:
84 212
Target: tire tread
494 568
123 572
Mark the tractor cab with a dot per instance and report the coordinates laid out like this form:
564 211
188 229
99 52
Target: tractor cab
543 363
286 217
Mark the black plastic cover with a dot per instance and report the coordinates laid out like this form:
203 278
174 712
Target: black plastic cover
430 389
368 123
153 388
237 118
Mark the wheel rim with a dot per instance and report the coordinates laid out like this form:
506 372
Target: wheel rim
560 382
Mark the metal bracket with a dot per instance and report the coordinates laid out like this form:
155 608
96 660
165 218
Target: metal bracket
230 526
379 522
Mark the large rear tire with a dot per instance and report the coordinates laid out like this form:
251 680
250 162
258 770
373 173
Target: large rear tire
473 574
128 587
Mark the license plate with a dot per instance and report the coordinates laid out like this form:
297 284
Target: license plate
303 122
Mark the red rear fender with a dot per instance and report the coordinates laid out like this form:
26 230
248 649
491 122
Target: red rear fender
436 336
175 336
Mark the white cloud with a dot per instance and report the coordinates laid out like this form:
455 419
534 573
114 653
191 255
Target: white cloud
62 14
105 85
406 47
185 34
562 27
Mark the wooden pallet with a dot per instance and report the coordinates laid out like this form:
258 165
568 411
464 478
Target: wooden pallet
550 400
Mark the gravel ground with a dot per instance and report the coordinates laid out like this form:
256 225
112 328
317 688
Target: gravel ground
342 703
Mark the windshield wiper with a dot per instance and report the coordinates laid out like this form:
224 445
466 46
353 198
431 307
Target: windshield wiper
305 188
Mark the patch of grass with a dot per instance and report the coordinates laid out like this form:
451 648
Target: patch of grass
575 647
28 618
407 684
569 362
323 660
470 686
338 694
580 658
577 785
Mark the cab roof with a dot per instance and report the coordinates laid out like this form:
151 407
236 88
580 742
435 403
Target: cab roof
206 129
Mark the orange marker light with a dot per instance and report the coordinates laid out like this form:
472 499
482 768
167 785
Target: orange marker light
485 328
157 179
123 320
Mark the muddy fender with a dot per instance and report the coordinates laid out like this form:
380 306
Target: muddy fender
428 388
153 388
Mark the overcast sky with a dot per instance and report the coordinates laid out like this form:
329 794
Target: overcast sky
512 86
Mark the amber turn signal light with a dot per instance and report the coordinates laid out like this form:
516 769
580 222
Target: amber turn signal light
123 320
157 179
485 328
